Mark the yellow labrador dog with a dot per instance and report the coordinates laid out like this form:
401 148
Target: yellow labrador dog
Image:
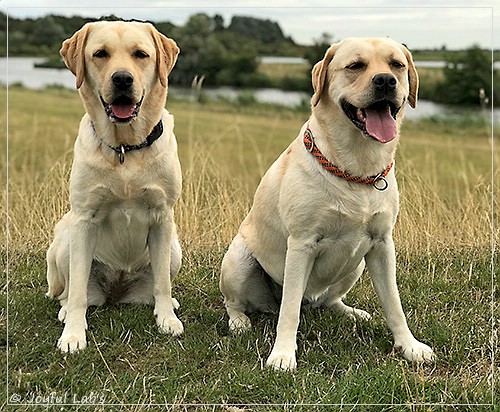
329 203
118 243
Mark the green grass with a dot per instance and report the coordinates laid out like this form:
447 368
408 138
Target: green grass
443 241
128 361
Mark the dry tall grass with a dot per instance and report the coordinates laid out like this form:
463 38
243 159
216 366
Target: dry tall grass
438 212
429 222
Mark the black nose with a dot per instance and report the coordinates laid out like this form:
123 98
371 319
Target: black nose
122 80
384 82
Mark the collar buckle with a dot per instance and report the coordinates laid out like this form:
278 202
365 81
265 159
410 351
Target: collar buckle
380 182
121 154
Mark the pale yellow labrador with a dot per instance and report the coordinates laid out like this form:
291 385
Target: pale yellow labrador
118 243
329 202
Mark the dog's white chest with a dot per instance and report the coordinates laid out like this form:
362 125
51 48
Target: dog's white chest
125 222
339 252
127 217
343 242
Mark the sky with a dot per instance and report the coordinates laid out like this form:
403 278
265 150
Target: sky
424 24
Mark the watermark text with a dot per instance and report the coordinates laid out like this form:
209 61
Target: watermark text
55 398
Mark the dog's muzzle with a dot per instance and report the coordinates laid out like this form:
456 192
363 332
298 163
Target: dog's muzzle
378 119
122 108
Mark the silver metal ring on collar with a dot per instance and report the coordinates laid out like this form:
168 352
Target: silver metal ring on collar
380 183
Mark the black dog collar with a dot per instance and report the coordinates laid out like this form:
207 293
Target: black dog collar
124 148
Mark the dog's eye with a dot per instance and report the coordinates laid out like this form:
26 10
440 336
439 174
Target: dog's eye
356 66
140 54
101 54
397 65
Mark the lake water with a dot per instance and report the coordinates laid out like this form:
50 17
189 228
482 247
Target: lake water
21 70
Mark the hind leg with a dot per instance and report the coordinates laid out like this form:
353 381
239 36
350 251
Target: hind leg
243 286
175 264
58 266
58 261
55 279
335 293
58 271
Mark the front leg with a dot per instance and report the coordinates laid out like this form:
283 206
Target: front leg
299 261
159 241
381 261
82 247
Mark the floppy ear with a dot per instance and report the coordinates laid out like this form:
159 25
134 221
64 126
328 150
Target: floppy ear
319 74
73 53
412 78
166 54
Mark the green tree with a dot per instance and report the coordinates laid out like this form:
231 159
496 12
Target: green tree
48 32
317 51
198 25
218 23
265 31
199 53
208 50
464 75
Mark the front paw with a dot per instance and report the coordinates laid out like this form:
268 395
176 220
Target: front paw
416 352
167 321
282 361
170 325
72 341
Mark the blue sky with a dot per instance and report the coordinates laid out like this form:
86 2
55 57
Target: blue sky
419 24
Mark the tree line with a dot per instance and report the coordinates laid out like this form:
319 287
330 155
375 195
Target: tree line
226 53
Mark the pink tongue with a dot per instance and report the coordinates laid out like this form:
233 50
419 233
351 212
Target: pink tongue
123 111
380 124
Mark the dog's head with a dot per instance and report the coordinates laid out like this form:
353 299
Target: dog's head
370 81
120 66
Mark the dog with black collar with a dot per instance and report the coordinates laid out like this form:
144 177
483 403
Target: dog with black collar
118 243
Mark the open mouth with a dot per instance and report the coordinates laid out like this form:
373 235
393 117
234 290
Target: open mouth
377 120
122 109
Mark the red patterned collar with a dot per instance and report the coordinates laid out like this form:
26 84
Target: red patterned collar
378 181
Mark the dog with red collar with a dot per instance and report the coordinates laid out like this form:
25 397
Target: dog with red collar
328 204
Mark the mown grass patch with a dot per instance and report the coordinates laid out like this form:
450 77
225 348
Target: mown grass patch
340 362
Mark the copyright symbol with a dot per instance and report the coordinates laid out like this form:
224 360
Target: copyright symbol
15 398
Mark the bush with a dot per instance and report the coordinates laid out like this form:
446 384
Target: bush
246 98
464 76
302 84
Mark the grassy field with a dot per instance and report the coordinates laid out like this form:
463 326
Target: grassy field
280 70
443 241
